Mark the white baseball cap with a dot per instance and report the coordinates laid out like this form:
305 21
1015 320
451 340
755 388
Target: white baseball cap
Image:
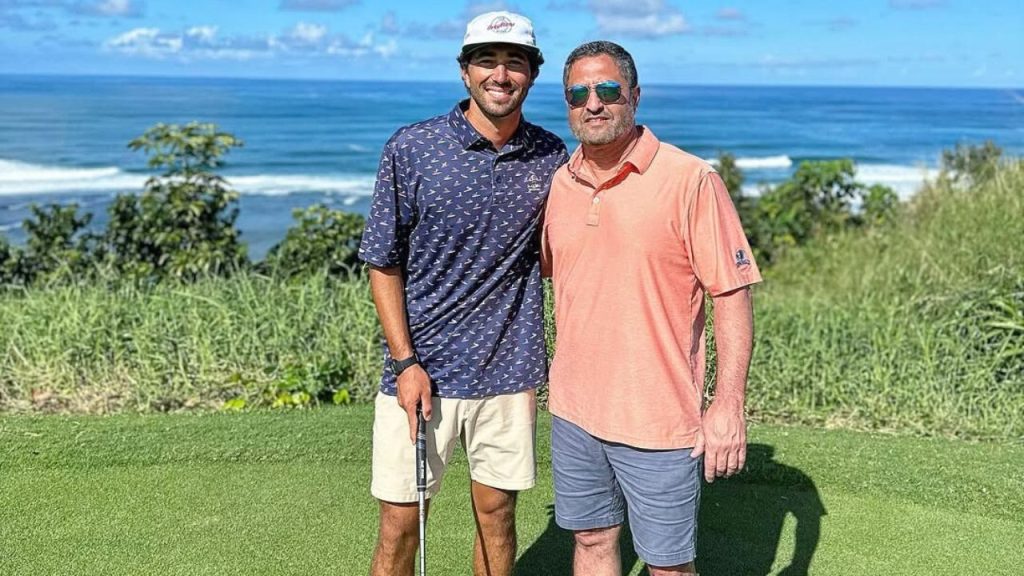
500 28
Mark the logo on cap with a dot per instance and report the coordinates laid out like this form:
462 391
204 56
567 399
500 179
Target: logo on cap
500 25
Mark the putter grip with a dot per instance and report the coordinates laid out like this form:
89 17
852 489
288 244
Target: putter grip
421 452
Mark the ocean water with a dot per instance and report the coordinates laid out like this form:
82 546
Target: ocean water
64 139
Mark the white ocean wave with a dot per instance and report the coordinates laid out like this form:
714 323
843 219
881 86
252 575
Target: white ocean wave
904 180
22 178
759 162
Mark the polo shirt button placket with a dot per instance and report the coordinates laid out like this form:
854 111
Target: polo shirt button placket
594 214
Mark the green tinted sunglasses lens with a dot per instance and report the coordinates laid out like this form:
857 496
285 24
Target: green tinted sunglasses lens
577 95
608 92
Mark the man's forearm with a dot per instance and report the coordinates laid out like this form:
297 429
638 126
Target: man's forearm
734 341
388 290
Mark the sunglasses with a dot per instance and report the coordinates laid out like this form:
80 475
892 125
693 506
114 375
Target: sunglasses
608 92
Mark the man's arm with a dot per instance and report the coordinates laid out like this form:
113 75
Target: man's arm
723 435
388 290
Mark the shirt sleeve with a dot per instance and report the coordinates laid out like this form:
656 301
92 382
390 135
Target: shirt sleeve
719 251
385 241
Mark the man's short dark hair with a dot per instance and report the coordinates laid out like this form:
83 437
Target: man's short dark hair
534 57
617 53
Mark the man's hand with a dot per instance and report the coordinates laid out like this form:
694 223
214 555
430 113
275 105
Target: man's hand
414 390
722 439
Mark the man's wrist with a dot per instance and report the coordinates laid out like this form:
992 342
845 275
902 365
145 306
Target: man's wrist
401 365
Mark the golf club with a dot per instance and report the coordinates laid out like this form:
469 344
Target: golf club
421 485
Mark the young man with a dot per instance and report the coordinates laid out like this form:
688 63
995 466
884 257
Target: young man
636 232
452 242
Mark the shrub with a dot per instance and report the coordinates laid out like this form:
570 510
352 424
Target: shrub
969 164
819 199
323 239
56 249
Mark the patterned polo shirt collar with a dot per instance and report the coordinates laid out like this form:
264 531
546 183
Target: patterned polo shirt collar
466 134
639 158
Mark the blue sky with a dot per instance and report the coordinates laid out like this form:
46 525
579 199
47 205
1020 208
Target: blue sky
976 43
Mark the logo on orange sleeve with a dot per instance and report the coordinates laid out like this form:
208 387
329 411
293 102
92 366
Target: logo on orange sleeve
741 259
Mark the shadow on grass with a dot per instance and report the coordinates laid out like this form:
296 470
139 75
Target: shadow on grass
741 519
739 531
551 553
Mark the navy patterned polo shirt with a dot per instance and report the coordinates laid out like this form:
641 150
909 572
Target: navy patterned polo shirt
461 219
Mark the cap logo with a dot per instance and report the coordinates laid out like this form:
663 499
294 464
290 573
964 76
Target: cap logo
500 25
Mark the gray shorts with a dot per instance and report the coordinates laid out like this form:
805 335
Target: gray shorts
596 481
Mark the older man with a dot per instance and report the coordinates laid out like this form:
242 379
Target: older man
452 242
636 232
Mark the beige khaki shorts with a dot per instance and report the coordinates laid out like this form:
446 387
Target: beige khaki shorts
498 434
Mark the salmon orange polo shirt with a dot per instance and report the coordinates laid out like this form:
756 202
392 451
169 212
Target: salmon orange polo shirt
631 259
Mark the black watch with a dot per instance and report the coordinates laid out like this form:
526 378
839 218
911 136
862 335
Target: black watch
399 366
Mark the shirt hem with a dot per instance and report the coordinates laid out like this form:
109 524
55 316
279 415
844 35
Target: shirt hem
673 443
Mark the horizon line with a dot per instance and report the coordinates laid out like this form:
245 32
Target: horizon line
455 81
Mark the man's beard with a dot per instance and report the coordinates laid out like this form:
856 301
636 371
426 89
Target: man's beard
611 131
495 109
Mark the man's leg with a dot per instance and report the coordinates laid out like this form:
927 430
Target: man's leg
495 548
588 499
394 479
596 552
662 492
397 540
499 437
687 568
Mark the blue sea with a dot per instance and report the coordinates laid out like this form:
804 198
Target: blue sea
64 139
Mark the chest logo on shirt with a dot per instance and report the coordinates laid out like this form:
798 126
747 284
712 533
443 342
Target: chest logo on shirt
534 182
741 259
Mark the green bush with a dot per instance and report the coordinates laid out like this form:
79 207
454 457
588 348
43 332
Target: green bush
323 239
57 248
969 164
820 199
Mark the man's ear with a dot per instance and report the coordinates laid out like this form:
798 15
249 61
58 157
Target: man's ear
636 98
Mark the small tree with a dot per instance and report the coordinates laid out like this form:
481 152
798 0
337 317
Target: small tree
879 205
817 200
183 224
56 248
323 239
9 257
967 164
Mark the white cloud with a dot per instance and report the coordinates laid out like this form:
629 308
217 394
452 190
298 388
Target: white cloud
203 42
308 34
202 33
638 18
148 42
107 8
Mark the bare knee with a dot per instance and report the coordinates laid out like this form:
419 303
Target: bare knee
598 538
680 570
494 506
398 523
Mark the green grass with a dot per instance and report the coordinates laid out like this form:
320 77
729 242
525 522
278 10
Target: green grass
88 349
916 327
287 493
